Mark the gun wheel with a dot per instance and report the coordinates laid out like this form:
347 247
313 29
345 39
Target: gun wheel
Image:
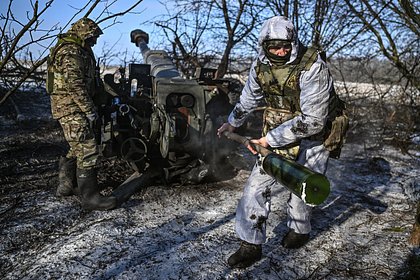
134 150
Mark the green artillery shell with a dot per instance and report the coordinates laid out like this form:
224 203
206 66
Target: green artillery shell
313 188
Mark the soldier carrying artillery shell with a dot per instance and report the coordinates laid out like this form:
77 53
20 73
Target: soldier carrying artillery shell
303 121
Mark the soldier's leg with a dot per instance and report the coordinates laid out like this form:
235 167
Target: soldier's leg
254 207
81 140
83 144
299 214
67 177
251 215
67 164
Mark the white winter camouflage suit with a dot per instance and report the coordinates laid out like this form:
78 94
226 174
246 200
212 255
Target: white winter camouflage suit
315 85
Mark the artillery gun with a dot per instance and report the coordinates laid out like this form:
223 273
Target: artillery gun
156 118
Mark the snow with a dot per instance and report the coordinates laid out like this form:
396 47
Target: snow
187 231
388 92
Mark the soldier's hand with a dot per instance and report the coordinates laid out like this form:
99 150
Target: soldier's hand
224 127
261 142
92 117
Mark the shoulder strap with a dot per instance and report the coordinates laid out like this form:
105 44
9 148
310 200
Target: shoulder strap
62 41
259 67
306 61
309 58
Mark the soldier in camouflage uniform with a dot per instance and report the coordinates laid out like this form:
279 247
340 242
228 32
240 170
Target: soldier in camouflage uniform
296 85
72 84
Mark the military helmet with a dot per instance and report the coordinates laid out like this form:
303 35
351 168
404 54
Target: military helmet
85 28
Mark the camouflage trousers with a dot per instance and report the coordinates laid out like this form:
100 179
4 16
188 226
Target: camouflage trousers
255 205
81 139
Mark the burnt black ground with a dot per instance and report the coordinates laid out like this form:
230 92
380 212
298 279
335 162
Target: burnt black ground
187 231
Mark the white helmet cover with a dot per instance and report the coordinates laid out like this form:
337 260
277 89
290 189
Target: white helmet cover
278 28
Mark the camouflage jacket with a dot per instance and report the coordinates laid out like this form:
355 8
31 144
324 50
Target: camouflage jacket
315 86
74 80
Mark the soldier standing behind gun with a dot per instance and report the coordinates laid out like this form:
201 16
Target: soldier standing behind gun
72 84
297 88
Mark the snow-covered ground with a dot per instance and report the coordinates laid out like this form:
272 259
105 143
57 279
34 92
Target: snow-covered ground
187 231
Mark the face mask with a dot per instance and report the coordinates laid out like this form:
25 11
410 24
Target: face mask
91 41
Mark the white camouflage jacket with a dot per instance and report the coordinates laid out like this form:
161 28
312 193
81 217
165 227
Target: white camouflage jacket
315 84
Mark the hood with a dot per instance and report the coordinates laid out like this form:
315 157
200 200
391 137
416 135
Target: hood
280 28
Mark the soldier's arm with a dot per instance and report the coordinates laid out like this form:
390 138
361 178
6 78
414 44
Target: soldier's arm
76 84
250 98
314 98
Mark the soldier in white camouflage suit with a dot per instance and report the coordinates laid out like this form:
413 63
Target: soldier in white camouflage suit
296 85
72 84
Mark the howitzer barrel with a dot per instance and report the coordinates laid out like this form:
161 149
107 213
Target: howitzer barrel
312 187
160 63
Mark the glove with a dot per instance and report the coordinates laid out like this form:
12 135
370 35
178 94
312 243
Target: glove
92 117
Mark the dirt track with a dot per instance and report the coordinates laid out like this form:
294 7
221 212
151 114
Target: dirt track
187 232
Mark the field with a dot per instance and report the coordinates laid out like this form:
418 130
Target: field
187 231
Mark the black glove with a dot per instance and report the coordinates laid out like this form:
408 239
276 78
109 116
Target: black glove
92 117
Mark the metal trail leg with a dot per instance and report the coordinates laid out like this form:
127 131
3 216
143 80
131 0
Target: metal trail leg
134 184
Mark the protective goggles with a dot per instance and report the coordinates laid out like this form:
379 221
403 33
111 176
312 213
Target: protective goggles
277 44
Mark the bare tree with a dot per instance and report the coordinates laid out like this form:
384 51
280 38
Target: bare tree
18 62
13 69
279 7
320 23
184 29
287 8
240 19
208 30
381 19
385 47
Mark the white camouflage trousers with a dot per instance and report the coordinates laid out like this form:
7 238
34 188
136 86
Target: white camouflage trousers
254 206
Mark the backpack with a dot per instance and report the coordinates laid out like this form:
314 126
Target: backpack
336 127
337 123
62 40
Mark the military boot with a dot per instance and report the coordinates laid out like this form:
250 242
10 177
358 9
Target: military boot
246 255
67 177
90 197
293 240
